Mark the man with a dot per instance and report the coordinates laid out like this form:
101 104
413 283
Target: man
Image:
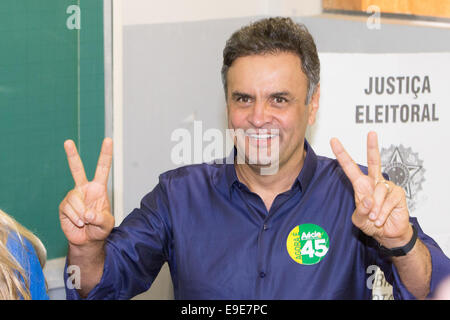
308 230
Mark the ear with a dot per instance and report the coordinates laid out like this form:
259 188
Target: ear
314 106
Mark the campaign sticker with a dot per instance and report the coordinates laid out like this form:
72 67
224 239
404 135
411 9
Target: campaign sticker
307 244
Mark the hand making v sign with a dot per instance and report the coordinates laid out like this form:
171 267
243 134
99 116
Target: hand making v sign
85 212
381 208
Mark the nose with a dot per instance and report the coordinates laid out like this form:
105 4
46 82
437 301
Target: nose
259 115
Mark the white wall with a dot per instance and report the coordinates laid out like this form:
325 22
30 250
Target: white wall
294 8
157 11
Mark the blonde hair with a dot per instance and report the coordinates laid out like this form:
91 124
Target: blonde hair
14 282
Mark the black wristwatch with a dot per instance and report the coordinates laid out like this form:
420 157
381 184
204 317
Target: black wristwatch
400 251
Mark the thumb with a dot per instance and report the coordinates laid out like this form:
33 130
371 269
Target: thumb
101 219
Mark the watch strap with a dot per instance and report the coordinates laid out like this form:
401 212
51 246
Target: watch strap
399 251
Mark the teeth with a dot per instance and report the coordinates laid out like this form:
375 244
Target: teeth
262 136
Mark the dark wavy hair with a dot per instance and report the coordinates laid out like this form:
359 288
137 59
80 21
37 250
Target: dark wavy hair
274 35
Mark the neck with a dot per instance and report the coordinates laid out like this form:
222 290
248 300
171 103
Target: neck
269 186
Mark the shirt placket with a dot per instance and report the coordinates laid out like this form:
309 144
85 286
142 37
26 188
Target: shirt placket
264 242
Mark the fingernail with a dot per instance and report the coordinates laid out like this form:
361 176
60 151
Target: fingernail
378 223
80 223
372 216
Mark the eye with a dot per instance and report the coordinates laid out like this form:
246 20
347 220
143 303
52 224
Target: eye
280 100
243 99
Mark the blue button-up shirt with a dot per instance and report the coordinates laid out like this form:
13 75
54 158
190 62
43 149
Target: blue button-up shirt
222 243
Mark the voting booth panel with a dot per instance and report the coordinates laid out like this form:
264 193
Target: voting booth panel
404 98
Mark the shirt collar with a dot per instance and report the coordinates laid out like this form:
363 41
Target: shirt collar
304 178
230 171
309 167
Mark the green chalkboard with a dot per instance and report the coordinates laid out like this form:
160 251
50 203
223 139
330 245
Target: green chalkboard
51 89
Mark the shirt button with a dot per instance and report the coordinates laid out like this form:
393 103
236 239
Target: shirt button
262 274
265 227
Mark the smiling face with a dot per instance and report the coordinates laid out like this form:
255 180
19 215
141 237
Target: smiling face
266 99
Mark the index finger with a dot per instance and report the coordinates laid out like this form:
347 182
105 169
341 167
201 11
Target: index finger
373 157
104 162
75 163
349 166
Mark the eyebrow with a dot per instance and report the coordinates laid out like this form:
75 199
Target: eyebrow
237 94
281 94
